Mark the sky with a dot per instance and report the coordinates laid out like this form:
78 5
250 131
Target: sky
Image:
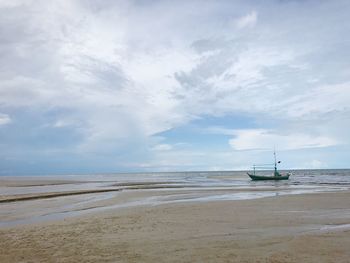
140 86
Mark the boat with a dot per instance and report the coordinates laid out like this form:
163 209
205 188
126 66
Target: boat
272 177
276 175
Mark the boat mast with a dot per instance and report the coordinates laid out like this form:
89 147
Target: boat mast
274 154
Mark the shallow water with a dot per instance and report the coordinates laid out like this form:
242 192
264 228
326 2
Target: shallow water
157 189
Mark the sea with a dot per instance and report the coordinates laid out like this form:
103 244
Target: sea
100 192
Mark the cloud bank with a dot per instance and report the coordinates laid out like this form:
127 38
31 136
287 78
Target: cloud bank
95 86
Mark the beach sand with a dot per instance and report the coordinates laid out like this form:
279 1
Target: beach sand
292 228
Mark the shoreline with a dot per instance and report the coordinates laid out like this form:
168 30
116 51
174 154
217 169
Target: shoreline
186 219
43 200
293 228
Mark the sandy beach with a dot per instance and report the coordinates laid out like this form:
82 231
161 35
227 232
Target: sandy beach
311 227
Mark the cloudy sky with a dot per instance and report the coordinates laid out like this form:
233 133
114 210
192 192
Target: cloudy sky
125 86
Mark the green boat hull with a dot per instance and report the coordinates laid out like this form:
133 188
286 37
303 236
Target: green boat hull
261 177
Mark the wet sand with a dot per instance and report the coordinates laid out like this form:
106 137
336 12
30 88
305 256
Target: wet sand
292 228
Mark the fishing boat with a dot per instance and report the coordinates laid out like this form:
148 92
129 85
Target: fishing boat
275 176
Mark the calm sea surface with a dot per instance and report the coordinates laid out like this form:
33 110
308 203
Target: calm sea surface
300 179
144 189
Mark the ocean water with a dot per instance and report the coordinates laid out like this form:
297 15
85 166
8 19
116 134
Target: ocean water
324 179
150 189
333 179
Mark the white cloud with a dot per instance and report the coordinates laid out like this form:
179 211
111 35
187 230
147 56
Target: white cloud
122 71
319 101
316 164
247 21
260 139
13 3
4 119
162 147
84 62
